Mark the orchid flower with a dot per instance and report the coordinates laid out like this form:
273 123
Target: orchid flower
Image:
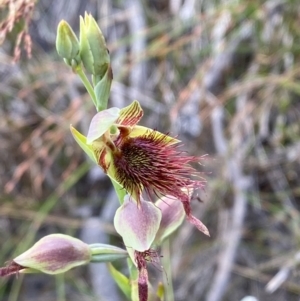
139 158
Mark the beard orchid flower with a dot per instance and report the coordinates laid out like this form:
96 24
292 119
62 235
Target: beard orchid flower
139 158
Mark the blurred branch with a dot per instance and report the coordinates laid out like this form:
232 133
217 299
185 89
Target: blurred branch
233 155
259 276
233 231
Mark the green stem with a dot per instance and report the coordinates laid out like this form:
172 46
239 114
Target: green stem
166 262
104 253
133 276
133 272
60 287
87 84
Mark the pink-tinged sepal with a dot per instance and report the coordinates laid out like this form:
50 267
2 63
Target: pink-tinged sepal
130 115
101 123
173 215
137 223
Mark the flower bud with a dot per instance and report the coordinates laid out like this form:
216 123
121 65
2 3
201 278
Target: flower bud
137 223
58 253
67 44
54 254
93 50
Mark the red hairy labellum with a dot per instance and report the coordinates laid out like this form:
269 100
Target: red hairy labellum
153 163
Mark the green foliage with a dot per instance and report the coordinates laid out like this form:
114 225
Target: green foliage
122 281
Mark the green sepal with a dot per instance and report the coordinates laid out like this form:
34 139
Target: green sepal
121 280
120 191
81 140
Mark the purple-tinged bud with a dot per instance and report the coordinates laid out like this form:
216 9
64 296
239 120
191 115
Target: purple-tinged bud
54 254
58 253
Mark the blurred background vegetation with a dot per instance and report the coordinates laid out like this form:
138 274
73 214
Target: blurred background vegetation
223 75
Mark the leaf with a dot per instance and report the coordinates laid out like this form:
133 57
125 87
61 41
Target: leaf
121 280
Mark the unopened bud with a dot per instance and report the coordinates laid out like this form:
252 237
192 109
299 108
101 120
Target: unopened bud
54 254
93 50
67 44
58 253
